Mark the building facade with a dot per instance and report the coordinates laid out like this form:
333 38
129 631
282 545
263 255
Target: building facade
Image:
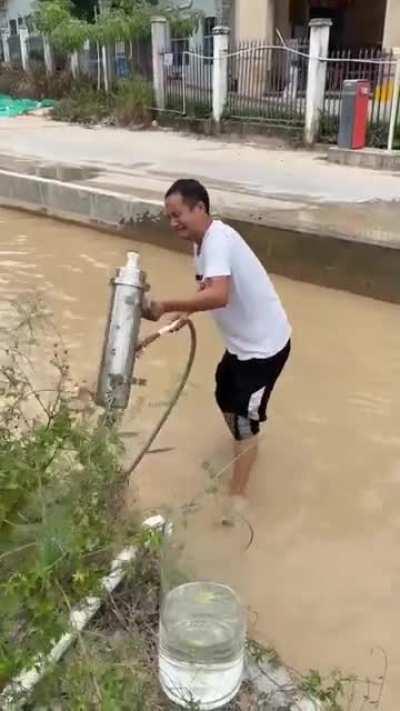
391 35
356 24
13 14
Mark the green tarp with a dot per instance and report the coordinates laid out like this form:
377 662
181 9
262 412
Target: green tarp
10 107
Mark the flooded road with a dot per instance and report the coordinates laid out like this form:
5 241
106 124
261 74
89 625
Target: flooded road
322 574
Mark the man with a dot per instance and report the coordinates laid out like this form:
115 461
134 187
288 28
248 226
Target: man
235 287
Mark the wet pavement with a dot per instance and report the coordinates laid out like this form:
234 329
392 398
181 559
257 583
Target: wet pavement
321 578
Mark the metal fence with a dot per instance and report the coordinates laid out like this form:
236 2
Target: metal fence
188 79
129 60
376 66
35 49
267 83
14 45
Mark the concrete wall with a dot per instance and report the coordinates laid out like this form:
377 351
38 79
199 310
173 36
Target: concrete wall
254 20
391 35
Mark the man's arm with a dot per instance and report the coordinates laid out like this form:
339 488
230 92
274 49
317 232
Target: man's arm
214 294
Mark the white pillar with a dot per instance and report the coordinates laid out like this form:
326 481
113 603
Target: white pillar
160 41
5 34
316 81
106 66
220 72
48 56
23 37
74 59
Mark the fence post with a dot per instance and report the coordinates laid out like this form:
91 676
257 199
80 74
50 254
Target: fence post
319 45
48 55
23 38
74 59
395 100
106 62
160 42
5 34
220 72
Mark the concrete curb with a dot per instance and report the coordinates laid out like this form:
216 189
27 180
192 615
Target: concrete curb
75 202
372 158
358 266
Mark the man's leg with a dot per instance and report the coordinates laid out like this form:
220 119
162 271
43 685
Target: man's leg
245 452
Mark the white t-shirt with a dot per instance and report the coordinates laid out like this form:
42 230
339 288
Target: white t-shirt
254 323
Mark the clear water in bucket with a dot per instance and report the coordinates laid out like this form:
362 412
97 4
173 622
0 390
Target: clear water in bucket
202 642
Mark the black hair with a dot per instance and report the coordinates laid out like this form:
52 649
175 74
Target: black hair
192 192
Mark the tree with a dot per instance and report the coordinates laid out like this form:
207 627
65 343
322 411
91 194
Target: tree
69 23
85 9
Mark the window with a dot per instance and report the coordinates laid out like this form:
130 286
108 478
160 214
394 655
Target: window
20 21
13 27
208 40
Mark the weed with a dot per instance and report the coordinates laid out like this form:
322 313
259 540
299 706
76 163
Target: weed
84 105
332 690
133 101
37 85
129 104
57 505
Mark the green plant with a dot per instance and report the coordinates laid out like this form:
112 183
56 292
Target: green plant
59 474
127 19
133 102
85 105
331 690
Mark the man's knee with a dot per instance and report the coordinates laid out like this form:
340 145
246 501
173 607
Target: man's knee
242 428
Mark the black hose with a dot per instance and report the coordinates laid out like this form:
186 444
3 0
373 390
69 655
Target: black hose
178 392
185 376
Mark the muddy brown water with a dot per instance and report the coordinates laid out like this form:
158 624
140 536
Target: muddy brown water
322 576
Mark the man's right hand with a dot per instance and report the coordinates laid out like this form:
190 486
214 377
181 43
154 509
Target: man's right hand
179 321
152 310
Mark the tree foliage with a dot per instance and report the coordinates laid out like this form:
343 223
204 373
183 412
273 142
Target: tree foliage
70 23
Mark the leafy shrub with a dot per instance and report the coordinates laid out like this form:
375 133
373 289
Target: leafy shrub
59 486
130 104
133 102
84 105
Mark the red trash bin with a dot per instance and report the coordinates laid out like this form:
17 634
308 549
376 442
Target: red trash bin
354 114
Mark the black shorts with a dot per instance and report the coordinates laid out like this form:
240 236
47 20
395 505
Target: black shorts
243 389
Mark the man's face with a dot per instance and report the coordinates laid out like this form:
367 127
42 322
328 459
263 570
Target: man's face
186 221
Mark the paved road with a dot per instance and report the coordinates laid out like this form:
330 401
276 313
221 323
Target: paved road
295 188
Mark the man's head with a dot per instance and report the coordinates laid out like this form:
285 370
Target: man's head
187 205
